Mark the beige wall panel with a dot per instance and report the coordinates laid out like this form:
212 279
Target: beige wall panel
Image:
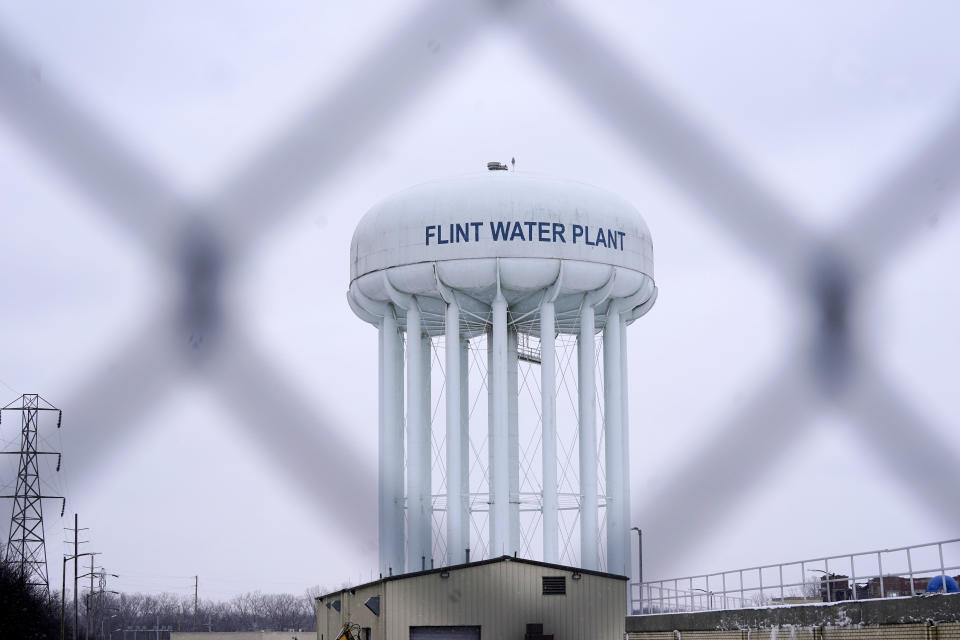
330 622
502 598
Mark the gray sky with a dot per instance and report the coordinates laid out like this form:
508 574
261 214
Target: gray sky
819 102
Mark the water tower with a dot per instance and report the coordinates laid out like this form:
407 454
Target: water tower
502 301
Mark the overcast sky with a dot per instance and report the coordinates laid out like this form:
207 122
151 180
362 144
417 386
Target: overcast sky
819 102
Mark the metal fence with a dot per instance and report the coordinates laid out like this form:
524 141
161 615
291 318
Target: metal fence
885 573
202 243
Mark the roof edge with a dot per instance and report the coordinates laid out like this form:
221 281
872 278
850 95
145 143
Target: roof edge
468 565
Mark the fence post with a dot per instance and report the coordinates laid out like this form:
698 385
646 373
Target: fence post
803 580
910 569
826 577
943 577
741 588
853 577
723 583
781 584
880 566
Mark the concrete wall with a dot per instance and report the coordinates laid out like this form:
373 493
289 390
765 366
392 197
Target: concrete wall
911 631
921 609
500 597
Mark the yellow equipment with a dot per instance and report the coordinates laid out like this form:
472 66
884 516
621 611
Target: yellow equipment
351 631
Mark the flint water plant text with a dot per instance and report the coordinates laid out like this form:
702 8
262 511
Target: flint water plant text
523 231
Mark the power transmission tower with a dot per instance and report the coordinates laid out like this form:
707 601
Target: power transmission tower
25 544
96 610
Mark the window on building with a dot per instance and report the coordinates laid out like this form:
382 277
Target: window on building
554 585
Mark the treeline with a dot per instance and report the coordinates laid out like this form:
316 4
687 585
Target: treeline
29 613
25 612
254 611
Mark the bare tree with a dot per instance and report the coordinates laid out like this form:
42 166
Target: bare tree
253 611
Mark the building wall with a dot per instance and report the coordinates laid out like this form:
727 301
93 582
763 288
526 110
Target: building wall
500 597
330 621
238 635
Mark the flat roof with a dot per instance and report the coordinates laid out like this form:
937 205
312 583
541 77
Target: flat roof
468 565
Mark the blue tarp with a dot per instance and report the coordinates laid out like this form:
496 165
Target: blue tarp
937 584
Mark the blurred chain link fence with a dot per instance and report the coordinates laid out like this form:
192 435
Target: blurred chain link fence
203 243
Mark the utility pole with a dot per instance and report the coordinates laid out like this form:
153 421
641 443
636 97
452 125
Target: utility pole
95 597
75 556
76 619
63 600
639 568
101 608
196 591
89 602
75 530
25 544
639 554
89 597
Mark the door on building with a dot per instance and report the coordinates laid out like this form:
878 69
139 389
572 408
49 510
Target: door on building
444 633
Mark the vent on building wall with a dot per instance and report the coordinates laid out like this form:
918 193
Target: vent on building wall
554 585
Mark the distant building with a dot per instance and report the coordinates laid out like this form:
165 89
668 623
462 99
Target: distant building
893 587
835 587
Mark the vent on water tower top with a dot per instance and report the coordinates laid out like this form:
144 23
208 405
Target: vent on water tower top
496 166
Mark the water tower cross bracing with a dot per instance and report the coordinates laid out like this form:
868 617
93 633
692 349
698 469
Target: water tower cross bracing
527 267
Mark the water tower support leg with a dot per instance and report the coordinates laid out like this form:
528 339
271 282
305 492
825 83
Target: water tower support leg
499 445
613 445
418 432
465 439
426 453
586 383
455 538
382 541
548 408
513 434
391 448
625 440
